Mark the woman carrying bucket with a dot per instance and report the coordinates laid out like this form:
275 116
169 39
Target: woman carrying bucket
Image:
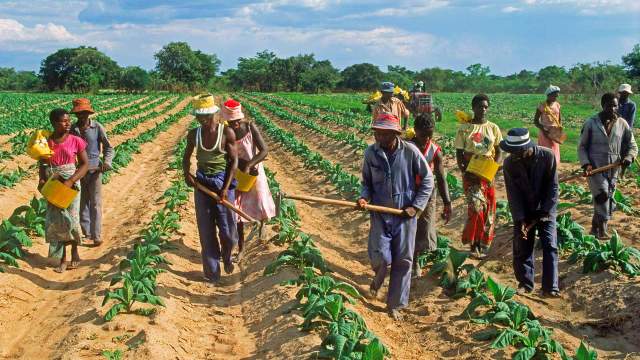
252 194
68 164
478 154
549 121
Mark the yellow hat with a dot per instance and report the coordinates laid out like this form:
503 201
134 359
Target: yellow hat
204 104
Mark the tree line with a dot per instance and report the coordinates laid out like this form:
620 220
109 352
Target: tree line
181 68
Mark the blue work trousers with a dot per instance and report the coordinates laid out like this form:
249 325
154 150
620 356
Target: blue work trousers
211 215
392 243
524 259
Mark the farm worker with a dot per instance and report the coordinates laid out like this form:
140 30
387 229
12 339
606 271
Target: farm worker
94 134
605 139
252 150
479 137
426 236
391 166
217 159
68 164
548 120
531 181
390 104
626 107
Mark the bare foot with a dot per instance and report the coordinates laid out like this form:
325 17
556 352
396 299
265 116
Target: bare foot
61 268
396 315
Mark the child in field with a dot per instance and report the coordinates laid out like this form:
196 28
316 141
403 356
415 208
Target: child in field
549 120
426 236
252 150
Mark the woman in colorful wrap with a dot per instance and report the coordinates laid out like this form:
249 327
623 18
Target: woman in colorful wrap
217 159
548 120
69 164
252 150
479 137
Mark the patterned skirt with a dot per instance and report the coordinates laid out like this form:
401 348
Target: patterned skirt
481 211
62 226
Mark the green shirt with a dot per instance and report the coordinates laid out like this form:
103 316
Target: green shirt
211 161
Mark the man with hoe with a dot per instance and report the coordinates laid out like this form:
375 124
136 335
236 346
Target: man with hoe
391 166
91 184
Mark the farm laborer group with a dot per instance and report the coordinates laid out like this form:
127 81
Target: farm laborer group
399 173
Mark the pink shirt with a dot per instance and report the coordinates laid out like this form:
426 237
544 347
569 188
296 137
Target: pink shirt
66 152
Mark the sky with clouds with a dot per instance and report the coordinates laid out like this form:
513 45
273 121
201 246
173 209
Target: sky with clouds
506 35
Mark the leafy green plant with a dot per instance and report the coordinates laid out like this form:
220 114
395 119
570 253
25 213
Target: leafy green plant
112 354
503 212
473 283
31 217
134 289
499 303
438 255
583 353
13 240
613 254
575 193
537 344
624 203
450 271
455 186
300 254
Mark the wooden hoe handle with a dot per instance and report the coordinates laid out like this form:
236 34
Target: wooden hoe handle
226 203
344 203
593 172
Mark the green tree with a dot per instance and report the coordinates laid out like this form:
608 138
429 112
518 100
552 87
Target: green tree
321 77
632 61
177 63
363 76
400 76
84 78
134 78
58 69
254 73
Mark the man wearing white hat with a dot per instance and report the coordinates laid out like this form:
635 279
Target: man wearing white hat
626 107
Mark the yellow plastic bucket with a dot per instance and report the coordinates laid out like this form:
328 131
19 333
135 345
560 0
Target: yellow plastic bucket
483 167
245 181
58 194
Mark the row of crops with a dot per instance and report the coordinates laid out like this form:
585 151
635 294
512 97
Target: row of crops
510 323
28 221
130 113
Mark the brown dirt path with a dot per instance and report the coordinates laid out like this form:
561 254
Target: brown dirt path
53 306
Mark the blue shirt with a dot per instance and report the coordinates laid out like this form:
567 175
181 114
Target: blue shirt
627 110
393 183
97 141
532 185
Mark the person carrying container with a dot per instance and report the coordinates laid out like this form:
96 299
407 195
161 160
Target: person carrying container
390 104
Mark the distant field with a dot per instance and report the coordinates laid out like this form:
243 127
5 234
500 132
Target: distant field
507 110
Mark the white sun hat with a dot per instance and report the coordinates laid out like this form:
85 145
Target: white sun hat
625 87
551 89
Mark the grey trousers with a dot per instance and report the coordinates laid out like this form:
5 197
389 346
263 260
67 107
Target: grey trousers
91 205
426 236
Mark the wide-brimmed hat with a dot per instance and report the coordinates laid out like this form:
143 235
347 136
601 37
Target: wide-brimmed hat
517 140
232 110
625 88
551 89
204 104
80 105
386 121
387 87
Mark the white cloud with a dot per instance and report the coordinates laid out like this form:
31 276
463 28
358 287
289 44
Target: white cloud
510 9
403 9
14 35
591 7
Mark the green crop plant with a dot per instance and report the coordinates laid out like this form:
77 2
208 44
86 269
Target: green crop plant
598 256
450 271
300 254
570 234
112 354
455 186
624 203
314 287
538 344
576 193
13 240
176 195
499 302
127 296
31 217
583 353
473 283
438 255
10 179
503 212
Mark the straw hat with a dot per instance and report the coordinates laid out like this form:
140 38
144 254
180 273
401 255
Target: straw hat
204 104
80 105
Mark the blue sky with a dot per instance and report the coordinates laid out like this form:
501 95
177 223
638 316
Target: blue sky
506 35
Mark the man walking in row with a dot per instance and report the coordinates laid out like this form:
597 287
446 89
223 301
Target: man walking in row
390 104
389 173
531 181
91 184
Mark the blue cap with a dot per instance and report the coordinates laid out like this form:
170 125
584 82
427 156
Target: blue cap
387 87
